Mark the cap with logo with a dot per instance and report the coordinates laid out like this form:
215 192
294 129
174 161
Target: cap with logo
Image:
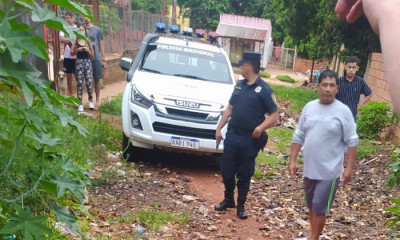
253 57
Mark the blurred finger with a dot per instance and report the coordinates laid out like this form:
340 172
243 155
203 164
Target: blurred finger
355 12
343 8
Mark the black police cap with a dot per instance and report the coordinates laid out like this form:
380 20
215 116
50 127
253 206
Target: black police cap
250 57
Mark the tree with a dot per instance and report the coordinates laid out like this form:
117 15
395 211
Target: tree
204 13
318 32
45 173
252 8
150 6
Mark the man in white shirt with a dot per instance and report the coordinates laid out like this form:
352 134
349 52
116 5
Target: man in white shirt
69 61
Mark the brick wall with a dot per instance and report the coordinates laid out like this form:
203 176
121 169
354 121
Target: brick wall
336 65
302 65
377 81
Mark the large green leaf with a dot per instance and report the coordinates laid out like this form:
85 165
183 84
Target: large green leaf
46 16
36 86
64 183
64 216
68 120
74 169
13 40
35 121
31 227
20 70
75 7
46 139
27 92
57 98
48 186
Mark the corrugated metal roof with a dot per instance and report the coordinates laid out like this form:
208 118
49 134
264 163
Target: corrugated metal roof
227 30
260 23
244 27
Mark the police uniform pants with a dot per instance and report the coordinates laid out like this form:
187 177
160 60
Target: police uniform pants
238 159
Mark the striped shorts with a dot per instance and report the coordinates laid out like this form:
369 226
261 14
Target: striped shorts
320 194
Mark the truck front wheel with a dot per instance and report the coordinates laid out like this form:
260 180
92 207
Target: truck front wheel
130 152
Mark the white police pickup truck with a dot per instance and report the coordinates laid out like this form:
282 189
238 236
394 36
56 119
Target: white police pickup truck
176 93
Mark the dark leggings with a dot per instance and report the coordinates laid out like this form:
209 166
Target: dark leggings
84 70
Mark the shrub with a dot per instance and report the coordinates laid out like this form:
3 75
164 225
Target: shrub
285 78
38 179
392 182
265 75
373 119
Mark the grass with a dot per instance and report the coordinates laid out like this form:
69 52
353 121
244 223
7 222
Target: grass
265 75
265 158
283 138
366 148
285 78
153 219
298 97
112 106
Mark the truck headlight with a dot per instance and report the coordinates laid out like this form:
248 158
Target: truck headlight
139 99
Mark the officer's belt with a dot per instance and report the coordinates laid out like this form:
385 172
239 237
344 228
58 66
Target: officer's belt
241 132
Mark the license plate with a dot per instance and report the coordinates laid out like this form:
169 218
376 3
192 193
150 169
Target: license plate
185 142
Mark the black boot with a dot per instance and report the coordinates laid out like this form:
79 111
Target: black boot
241 213
228 202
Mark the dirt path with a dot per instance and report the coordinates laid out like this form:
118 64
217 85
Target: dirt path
275 203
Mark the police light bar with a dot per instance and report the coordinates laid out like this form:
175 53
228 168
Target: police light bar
187 31
213 35
200 32
160 27
174 28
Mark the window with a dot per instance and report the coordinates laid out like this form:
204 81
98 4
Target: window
187 62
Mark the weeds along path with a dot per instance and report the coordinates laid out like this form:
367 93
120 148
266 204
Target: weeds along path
205 181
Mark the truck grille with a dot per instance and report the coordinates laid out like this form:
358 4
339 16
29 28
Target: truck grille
186 113
184 131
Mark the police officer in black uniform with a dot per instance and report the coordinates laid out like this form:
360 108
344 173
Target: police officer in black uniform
251 100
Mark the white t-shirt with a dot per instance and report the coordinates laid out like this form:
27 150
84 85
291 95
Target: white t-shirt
67 49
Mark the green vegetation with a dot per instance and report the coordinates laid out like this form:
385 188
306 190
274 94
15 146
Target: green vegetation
43 150
373 119
282 137
366 148
154 219
266 158
298 97
265 75
285 78
112 106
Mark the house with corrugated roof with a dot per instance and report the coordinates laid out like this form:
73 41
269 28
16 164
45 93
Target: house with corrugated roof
238 34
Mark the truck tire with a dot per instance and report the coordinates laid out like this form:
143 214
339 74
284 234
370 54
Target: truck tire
216 161
130 152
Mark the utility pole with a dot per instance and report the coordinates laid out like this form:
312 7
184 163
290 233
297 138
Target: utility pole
174 11
163 9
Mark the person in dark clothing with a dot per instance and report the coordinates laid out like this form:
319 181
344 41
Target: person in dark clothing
351 86
251 100
83 66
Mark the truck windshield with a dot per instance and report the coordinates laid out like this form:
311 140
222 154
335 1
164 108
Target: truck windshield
187 62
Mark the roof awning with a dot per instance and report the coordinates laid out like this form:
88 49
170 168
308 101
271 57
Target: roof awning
244 32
